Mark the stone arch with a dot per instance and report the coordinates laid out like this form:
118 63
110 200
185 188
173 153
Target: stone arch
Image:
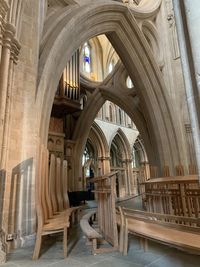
123 143
139 146
98 140
117 22
151 34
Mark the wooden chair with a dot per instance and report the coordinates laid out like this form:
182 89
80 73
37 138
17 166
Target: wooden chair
58 190
47 222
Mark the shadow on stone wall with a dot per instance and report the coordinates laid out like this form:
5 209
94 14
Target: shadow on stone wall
22 198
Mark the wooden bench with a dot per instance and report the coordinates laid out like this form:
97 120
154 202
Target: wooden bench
91 234
176 231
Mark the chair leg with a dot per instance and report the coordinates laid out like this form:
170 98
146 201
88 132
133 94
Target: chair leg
125 241
94 246
65 242
37 247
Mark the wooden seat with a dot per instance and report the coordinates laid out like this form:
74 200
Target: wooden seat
53 226
58 190
89 231
48 222
177 231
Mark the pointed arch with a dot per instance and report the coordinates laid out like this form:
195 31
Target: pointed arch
118 23
123 143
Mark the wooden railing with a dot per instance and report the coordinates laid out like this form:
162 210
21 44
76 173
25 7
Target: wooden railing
177 195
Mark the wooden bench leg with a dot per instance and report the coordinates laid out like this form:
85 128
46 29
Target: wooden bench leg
94 246
121 239
144 243
65 242
125 242
37 246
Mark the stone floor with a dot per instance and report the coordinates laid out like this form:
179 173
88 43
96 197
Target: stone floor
79 254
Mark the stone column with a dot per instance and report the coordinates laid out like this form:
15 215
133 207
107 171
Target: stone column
14 57
4 73
104 164
188 23
129 176
3 10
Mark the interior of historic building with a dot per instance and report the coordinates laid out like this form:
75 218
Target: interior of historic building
99 133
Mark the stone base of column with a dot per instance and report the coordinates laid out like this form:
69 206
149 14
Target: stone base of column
2 247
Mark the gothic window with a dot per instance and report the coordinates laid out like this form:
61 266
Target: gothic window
120 116
129 83
111 113
111 66
86 58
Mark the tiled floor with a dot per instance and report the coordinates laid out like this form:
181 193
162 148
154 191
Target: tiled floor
79 255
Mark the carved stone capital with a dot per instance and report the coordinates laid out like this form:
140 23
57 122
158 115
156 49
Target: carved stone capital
15 49
4 7
188 128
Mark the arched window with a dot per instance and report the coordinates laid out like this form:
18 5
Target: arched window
111 113
120 116
129 83
86 58
111 66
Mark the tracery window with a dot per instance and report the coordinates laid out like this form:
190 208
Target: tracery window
86 58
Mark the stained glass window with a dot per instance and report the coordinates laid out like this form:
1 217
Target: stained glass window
86 58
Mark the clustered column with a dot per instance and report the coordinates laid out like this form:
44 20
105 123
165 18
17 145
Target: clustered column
9 49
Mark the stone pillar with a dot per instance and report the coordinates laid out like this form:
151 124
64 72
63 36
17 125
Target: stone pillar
4 73
188 23
128 175
14 57
3 10
104 165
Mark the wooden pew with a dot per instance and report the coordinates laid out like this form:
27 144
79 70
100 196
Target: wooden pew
176 231
91 234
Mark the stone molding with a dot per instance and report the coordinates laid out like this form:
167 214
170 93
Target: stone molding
8 40
15 49
4 7
8 35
